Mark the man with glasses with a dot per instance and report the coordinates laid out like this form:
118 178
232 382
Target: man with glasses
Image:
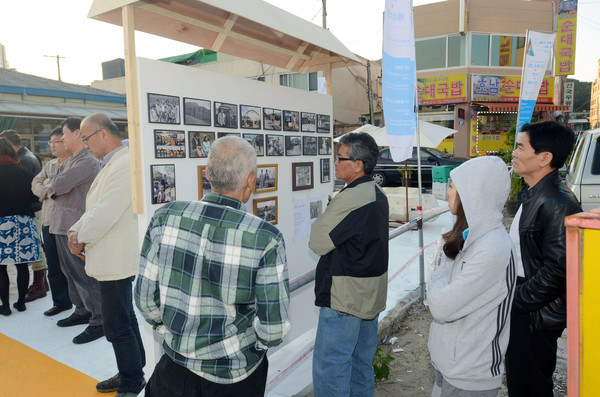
351 278
58 282
68 188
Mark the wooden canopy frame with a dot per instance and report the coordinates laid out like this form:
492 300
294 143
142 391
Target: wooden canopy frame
251 29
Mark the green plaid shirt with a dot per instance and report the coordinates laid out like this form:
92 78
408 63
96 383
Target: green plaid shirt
213 281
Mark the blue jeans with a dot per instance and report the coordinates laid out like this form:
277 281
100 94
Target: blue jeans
343 358
121 329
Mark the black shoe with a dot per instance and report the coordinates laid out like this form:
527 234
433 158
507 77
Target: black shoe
5 310
135 392
74 319
91 333
54 310
109 385
20 306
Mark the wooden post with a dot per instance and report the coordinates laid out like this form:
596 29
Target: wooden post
133 110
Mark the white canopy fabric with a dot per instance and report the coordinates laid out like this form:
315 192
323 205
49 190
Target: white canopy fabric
431 134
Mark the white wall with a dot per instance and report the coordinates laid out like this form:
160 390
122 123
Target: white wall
181 81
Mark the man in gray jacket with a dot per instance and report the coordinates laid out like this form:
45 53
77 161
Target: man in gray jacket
68 188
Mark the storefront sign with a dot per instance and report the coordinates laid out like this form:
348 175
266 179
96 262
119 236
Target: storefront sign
569 95
443 89
491 88
566 28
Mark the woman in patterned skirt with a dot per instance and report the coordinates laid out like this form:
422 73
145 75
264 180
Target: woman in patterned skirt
18 234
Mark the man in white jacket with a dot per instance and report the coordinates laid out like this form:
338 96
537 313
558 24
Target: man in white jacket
106 236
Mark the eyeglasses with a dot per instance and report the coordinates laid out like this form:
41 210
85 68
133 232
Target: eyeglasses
55 142
84 139
338 158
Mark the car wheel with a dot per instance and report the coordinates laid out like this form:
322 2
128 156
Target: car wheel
379 178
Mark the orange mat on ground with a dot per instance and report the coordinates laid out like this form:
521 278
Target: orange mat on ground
27 372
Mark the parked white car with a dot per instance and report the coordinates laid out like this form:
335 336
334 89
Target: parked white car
583 172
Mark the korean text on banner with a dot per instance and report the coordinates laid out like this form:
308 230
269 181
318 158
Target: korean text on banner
537 54
399 78
566 30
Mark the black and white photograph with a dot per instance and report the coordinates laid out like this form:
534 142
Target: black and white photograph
266 178
272 119
324 145
257 141
200 143
163 183
250 117
163 109
203 184
226 115
316 208
323 123
222 134
293 145
266 209
291 120
169 144
302 176
309 122
309 144
196 111
325 170
275 145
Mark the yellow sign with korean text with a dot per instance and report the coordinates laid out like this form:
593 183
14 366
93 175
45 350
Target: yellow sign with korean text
442 89
566 29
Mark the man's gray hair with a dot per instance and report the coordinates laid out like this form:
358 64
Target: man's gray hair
230 160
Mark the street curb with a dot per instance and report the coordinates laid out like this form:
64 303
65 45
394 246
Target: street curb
396 315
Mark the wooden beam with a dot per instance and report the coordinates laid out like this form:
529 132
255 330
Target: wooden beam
216 45
218 29
133 110
295 58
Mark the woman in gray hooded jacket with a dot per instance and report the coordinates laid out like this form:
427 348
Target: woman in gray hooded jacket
471 292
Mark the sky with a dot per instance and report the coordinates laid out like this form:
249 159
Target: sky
35 31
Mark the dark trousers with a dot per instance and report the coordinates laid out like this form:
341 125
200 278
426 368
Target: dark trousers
59 286
173 380
530 358
122 331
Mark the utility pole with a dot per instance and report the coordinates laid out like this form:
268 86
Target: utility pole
369 94
57 63
325 14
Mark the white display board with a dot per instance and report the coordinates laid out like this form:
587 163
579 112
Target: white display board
166 90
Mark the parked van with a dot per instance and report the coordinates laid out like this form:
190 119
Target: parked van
583 172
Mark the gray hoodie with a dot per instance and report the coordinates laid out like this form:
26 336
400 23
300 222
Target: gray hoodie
470 297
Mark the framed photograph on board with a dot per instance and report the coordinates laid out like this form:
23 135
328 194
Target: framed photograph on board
293 145
196 111
291 120
325 170
302 176
163 183
309 145
275 145
169 144
324 145
309 122
323 123
203 183
250 117
163 109
257 141
226 115
272 119
200 142
316 208
266 178
266 209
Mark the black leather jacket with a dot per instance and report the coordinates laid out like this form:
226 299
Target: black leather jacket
543 251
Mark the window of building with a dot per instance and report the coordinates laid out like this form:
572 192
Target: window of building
480 49
303 81
507 51
441 52
456 51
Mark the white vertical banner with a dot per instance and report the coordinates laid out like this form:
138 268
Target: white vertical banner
399 78
537 55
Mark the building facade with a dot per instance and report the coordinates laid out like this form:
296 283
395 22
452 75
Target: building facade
595 101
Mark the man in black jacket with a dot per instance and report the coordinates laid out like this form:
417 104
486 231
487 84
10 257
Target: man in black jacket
539 311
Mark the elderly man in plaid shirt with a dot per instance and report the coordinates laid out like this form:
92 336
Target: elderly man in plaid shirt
214 284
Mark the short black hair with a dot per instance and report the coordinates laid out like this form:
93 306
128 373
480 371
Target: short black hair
72 123
362 146
56 131
553 137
